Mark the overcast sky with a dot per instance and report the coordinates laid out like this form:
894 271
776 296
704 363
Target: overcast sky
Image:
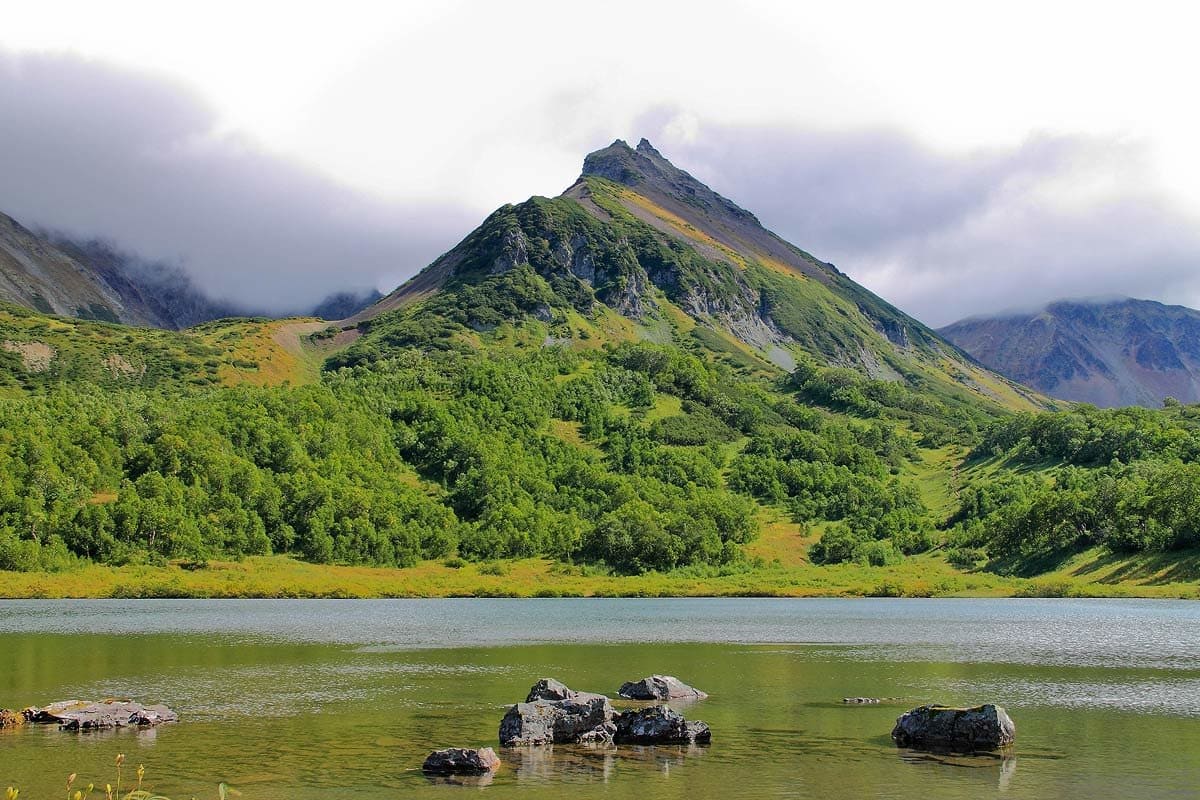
955 158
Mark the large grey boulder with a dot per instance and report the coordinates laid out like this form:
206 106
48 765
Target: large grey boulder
660 688
659 725
90 715
571 721
959 730
461 761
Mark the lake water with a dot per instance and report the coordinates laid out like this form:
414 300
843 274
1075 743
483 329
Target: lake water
333 699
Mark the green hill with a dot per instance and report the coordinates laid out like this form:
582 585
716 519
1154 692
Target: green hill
632 379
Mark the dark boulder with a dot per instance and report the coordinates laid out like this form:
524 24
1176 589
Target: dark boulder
960 730
460 761
572 721
659 725
661 688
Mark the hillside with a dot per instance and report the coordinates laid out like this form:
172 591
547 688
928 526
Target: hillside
630 385
40 352
641 246
1114 353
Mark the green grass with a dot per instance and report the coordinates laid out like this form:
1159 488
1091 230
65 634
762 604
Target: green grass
1089 575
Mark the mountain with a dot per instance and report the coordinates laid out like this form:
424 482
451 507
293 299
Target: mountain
639 248
340 305
39 275
1108 353
95 280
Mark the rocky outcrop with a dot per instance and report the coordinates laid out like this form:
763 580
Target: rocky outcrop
659 725
553 713
461 761
959 730
569 721
89 715
661 688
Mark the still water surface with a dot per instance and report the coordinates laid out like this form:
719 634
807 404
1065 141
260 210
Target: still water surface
332 699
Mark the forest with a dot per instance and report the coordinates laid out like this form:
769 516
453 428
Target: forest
629 457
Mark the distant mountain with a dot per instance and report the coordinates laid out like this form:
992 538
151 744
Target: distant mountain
95 280
660 256
1111 353
345 304
162 294
37 274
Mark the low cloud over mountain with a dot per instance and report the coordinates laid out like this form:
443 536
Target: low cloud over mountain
94 151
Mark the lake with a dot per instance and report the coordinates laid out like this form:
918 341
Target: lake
333 699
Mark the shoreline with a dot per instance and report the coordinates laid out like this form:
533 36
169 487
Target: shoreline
279 577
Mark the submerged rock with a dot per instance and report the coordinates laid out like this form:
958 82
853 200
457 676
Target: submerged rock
461 761
660 687
959 730
659 725
571 721
860 700
10 719
91 715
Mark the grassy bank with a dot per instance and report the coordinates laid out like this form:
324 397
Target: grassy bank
1092 574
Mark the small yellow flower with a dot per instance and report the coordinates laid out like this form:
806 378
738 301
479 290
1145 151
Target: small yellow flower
70 779
90 787
141 771
120 759
11 793
78 795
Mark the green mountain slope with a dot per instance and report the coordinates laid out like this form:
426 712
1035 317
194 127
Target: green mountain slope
637 237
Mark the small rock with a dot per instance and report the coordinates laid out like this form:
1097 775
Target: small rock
860 700
659 725
550 689
461 761
10 719
661 688
961 730
572 721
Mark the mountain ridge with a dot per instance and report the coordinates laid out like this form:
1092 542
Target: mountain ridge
1107 352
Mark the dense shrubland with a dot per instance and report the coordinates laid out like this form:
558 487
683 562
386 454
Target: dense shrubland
1125 479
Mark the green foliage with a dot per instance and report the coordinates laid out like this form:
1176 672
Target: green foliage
1126 479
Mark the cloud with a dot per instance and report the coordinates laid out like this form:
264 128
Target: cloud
95 151
945 236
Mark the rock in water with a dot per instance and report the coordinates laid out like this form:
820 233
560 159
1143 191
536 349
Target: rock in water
10 719
572 721
960 730
460 761
659 725
88 715
660 687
